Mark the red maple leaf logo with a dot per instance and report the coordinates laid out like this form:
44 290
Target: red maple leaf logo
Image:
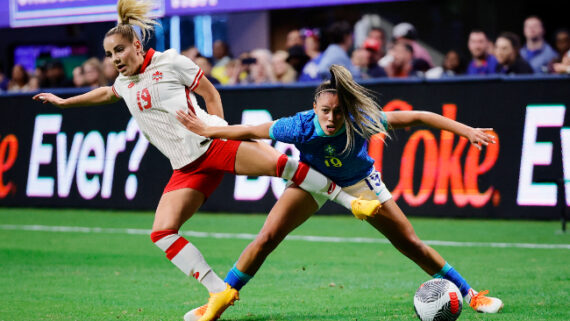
157 76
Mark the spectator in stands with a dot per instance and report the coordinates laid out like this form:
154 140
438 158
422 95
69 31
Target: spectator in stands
312 49
294 38
401 65
236 72
20 79
406 32
3 80
563 67
221 57
562 45
191 52
340 34
206 67
536 51
297 58
379 35
373 47
109 71
93 73
453 64
359 59
55 76
482 63
78 77
507 49
220 53
260 68
40 74
284 73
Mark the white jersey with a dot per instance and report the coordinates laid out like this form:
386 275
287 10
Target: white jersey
163 86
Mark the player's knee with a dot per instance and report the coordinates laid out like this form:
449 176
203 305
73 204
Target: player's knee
157 235
411 245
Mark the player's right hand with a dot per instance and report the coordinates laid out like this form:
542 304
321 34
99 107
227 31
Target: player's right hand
49 98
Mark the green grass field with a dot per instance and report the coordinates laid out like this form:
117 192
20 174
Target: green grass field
104 273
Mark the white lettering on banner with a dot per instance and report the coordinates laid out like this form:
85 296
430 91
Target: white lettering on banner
116 143
66 165
90 160
253 189
137 154
565 141
175 4
41 154
91 165
538 153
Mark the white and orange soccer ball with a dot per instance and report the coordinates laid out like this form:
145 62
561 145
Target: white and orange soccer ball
438 300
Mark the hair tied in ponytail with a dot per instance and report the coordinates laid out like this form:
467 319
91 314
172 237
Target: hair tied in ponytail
333 78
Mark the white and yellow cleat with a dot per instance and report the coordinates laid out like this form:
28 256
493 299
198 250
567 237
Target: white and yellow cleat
217 304
484 304
196 314
364 208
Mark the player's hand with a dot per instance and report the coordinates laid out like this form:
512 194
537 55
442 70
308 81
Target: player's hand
479 137
192 122
49 98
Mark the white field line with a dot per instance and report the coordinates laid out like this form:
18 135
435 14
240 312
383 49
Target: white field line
247 236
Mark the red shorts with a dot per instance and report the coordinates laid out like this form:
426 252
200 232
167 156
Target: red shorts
206 173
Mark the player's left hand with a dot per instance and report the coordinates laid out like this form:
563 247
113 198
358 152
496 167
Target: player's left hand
480 137
191 121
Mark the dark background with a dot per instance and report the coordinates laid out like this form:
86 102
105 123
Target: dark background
497 102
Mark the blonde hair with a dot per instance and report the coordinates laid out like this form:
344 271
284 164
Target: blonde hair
133 13
362 113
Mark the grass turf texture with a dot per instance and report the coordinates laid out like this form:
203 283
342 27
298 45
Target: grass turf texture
105 276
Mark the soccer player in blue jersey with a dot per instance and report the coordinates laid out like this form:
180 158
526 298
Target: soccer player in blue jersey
333 138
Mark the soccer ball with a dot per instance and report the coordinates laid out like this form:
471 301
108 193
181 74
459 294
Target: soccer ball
438 300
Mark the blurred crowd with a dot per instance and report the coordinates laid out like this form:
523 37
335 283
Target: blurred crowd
91 73
365 49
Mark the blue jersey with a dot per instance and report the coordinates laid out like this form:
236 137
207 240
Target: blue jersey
323 152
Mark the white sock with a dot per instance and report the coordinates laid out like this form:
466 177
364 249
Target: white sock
187 258
312 181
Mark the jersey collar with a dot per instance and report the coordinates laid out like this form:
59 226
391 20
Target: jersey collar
147 59
321 132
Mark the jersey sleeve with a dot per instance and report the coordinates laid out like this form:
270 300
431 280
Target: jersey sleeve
188 72
287 130
116 87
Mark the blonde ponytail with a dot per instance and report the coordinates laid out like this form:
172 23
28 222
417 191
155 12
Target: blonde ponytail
362 113
133 13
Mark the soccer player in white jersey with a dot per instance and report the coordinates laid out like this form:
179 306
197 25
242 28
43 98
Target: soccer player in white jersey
154 86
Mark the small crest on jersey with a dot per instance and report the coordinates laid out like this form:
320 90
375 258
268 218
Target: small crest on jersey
131 84
330 150
157 76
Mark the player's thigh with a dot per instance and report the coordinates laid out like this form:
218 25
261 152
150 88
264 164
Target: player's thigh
256 158
392 222
292 209
176 207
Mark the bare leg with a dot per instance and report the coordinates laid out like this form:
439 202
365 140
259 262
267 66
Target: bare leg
256 159
176 207
392 222
293 208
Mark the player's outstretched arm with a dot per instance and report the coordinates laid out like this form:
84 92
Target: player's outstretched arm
98 96
477 136
236 132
